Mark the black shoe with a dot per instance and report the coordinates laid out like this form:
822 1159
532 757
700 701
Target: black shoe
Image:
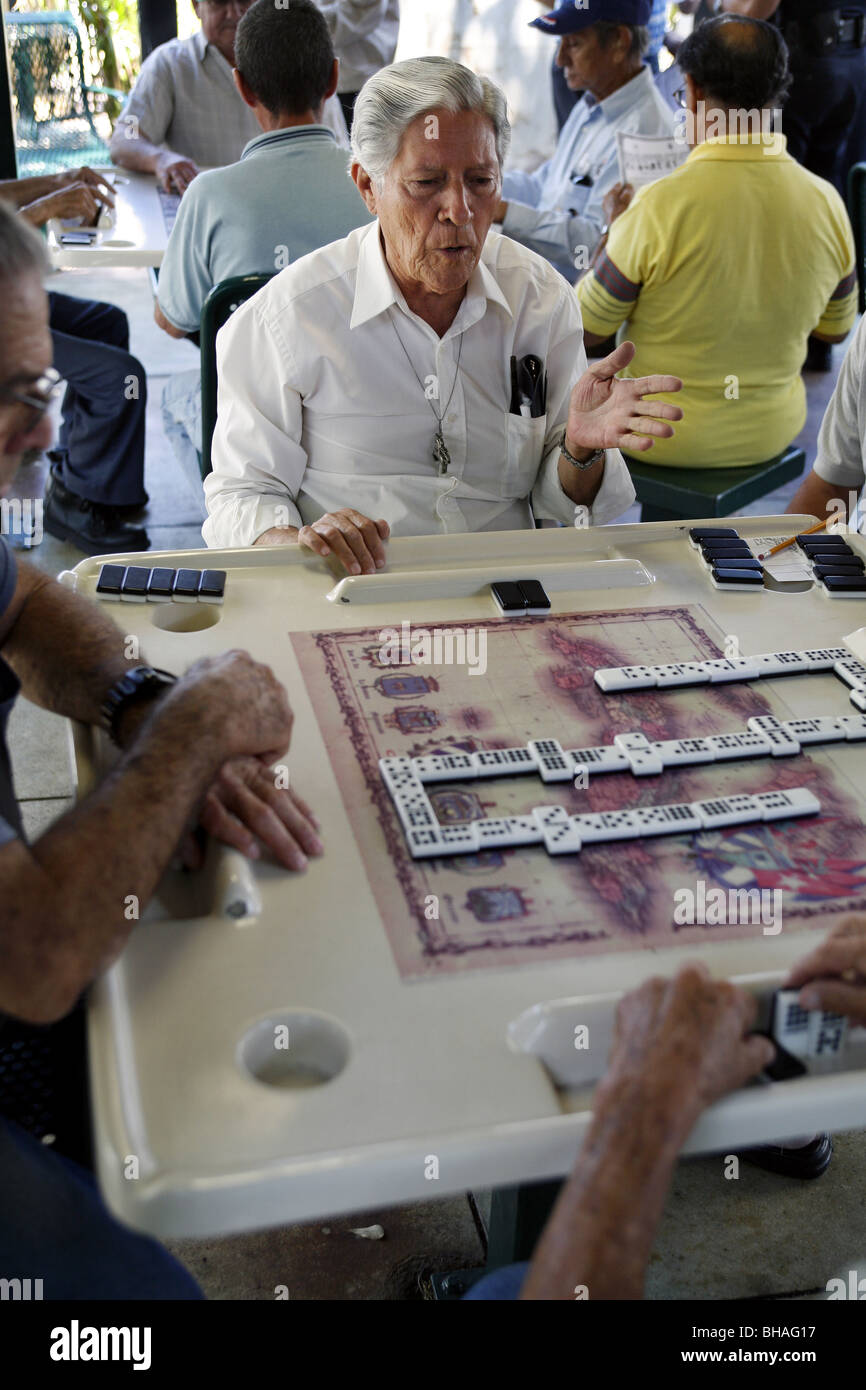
95 529
810 1161
819 357
130 508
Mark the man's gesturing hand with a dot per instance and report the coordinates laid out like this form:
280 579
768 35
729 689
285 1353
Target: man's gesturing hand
834 974
608 413
350 537
687 1040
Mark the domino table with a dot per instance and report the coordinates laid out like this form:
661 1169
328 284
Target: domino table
136 234
388 1027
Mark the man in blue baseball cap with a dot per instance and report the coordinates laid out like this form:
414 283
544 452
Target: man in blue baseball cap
558 211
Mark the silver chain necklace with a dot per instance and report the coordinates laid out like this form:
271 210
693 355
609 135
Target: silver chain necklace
441 455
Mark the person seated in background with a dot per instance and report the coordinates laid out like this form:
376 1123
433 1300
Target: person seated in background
184 112
97 469
367 387
723 268
558 210
288 194
834 487
198 748
679 1045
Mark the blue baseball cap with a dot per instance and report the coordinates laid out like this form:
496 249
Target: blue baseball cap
571 15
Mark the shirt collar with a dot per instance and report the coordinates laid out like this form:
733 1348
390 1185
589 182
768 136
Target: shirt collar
742 147
620 101
200 44
269 138
376 290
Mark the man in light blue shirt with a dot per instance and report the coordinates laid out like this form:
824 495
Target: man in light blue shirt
289 193
558 211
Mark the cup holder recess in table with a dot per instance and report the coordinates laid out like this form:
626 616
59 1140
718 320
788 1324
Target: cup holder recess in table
294 1049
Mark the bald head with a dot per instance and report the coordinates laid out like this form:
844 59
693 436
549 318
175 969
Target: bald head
737 63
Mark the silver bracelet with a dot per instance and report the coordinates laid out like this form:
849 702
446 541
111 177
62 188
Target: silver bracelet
576 463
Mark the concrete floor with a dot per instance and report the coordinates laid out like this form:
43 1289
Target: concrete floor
756 1236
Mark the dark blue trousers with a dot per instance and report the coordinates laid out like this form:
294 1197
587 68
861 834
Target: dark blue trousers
100 449
824 109
54 1227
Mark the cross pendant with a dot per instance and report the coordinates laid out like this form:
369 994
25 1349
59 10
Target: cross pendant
440 453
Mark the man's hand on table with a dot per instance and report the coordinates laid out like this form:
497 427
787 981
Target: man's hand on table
74 200
352 538
100 183
175 172
240 706
833 976
606 412
683 1043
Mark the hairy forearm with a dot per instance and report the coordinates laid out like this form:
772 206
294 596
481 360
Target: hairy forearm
24 191
814 497
601 1230
66 652
63 922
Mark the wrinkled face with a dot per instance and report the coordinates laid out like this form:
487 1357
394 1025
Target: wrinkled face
438 199
219 20
586 63
25 354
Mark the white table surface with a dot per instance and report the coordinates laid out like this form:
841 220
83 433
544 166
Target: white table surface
138 237
430 1071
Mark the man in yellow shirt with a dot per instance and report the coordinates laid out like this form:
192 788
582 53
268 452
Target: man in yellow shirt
722 269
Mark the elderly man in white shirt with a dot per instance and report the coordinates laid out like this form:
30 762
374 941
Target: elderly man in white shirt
367 388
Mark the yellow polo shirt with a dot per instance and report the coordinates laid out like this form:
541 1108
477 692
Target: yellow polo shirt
718 273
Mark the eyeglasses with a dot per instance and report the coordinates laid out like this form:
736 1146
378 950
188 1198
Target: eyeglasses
680 97
38 397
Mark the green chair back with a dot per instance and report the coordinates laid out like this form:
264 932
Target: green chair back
677 494
220 304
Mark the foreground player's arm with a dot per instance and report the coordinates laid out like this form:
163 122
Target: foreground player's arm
833 976
816 497
67 898
679 1045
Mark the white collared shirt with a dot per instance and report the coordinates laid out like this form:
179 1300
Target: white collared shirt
319 408
364 34
185 99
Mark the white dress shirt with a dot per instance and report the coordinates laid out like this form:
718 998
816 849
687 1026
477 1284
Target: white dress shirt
319 408
364 34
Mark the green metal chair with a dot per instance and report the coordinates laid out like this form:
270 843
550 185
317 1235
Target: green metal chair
679 494
857 213
220 304
54 103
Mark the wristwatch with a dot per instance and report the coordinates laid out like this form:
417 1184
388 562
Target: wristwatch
139 683
587 463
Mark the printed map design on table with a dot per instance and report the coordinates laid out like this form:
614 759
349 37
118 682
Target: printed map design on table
517 906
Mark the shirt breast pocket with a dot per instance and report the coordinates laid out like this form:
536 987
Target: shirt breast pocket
523 455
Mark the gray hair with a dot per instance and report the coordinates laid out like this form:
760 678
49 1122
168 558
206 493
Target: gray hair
395 96
640 36
21 248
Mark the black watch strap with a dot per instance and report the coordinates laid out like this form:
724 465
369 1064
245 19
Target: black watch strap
138 683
